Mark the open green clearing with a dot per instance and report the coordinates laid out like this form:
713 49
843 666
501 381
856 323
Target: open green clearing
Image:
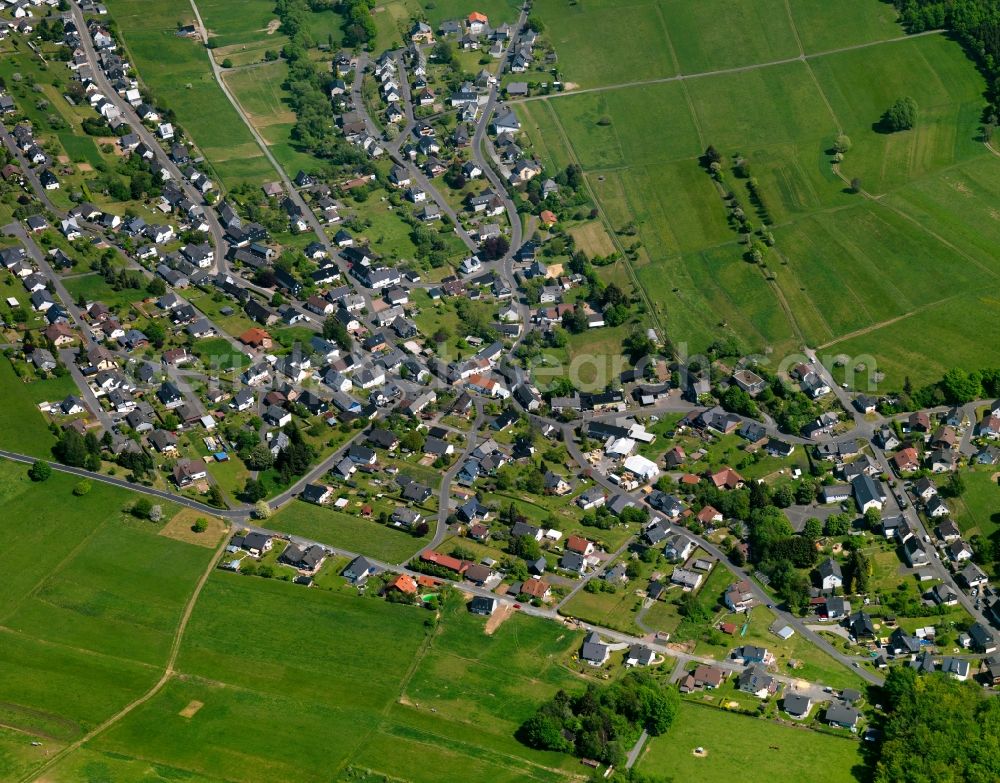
844 269
238 23
22 426
734 744
178 73
94 288
978 509
87 614
347 531
356 690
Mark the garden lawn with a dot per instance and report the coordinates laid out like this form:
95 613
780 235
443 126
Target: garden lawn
346 531
731 742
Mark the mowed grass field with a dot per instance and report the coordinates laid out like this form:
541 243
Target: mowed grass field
735 744
261 96
90 604
22 427
849 273
315 684
178 73
238 23
347 531
358 684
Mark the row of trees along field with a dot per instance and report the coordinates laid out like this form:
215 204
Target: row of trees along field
977 24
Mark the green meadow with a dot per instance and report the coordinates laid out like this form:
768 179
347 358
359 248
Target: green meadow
775 83
733 744
177 72
359 684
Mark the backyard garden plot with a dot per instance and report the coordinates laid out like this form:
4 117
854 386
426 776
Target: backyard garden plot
177 72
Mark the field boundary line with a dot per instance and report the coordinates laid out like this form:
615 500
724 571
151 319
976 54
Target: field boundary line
58 569
4 629
724 71
611 229
666 34
772 281
168 673
888 322
217 75
812 73
791 271
382 716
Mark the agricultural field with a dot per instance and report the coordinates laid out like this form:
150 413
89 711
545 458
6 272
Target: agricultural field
94 603
177 71
774 83
87 613
731 742
442 712
261 96
245 22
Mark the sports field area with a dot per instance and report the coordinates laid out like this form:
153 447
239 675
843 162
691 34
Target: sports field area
897 271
